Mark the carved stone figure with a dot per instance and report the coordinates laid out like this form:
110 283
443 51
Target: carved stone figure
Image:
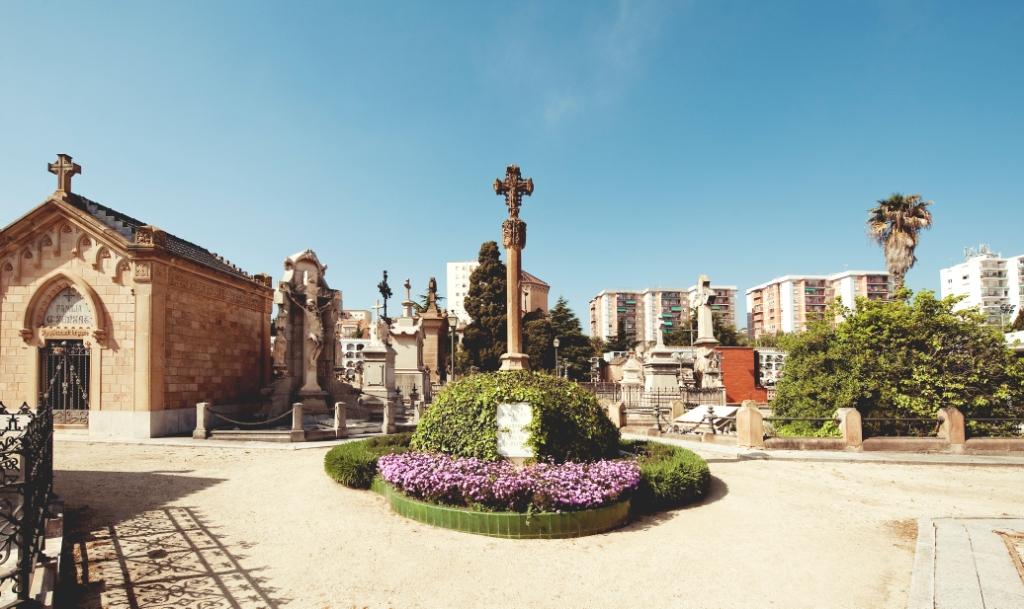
705 317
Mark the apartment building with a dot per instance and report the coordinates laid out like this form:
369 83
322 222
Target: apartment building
534 290
725 301
661 308
610 308
787 304
988 281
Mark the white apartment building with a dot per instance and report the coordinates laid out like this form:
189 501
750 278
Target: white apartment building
988 281
789 303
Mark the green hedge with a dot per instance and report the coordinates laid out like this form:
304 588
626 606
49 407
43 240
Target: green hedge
568 423
354 464
670 476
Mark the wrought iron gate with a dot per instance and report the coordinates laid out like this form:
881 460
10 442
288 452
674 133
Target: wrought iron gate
64 381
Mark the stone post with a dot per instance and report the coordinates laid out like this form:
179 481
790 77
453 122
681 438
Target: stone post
202 421
340 423
953 428
850 425
298 434
513 229
387 426
617 414
749 426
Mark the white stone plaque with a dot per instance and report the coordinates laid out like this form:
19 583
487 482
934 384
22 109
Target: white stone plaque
68 309
513 418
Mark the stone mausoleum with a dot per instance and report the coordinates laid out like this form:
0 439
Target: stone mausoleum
120 326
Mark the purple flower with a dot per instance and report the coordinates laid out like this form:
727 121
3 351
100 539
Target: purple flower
499 485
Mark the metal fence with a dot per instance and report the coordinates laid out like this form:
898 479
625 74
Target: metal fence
634 396
799 427
26 491
995 427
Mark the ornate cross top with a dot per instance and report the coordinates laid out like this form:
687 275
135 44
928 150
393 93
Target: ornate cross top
513 188
64 169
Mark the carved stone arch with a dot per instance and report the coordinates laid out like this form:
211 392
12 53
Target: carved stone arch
48 289
101 254
64 234
122 270
83 243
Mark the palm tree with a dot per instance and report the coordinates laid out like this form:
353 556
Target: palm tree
895 224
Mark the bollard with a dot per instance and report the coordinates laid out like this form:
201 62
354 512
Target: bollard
953 428
749 426
387 426
298 434
340 423
202 420
850 425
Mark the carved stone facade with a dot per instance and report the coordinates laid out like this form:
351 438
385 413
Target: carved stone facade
163 322
435 336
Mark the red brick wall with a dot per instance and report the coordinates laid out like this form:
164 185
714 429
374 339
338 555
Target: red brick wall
738 375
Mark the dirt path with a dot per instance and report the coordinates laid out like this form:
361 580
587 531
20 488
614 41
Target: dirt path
263 528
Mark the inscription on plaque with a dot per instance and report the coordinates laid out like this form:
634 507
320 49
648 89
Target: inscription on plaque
68 308
513 418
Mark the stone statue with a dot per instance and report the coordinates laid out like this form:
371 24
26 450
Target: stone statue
315 335
705 318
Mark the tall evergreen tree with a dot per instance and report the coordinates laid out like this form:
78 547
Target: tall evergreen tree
538 336
485 338
574 348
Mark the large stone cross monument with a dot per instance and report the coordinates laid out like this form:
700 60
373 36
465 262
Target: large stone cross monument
513 230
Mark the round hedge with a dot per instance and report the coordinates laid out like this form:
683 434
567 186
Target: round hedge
354 464
670 476
568 424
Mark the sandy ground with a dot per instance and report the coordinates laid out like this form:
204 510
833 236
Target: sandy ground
772 534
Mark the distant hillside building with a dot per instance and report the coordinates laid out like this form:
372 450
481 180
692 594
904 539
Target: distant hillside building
988 281
787 304
534 290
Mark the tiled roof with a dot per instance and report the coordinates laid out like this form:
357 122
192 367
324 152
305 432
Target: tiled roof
126 226
527 277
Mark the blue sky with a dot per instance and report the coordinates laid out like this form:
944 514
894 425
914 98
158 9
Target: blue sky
744 140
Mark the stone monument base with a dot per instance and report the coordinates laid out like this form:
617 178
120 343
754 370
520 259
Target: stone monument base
515 361
313 402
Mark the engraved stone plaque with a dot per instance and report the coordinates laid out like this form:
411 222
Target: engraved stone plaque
513 419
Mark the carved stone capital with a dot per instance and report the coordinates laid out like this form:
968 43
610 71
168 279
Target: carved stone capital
27 334
143 272
150 236
513 232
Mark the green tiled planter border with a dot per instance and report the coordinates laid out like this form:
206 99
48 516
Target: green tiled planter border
511 525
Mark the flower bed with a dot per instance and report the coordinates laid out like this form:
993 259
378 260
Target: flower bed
489 485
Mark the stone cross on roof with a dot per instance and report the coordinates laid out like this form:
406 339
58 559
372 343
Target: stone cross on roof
64 169
513 188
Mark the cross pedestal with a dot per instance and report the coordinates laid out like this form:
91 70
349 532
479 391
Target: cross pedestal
513 187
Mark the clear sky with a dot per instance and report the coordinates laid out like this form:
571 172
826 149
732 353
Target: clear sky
744 140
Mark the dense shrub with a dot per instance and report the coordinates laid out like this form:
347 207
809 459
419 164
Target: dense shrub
568 424
670 476
500 485
354 464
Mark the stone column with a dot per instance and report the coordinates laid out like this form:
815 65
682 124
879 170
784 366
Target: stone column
202 420
749 426
953 428
298 433
514 358
850 425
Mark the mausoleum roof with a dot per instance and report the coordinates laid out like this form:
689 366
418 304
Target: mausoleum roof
126 226
525 277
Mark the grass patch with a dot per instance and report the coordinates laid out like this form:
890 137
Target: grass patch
670 476
354 464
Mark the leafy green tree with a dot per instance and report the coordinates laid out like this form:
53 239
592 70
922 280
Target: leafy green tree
574 348
485 338
908 357
895 224
537 337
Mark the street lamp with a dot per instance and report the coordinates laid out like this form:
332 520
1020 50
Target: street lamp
453 322
555 343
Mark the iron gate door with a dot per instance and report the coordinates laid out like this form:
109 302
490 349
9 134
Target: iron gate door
64 381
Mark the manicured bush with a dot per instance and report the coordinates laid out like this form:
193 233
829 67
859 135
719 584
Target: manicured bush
568 424
670 476
354 464
500 485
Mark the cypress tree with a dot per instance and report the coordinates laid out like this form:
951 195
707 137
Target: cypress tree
485 338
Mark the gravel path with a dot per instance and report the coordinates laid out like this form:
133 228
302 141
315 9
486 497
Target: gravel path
265 528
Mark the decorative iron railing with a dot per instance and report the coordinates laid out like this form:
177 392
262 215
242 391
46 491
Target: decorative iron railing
26 491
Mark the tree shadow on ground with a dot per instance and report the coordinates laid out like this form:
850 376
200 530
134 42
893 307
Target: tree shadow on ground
717 489
125 548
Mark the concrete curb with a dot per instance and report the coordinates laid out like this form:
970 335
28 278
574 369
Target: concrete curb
922 579
182 442
829 456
